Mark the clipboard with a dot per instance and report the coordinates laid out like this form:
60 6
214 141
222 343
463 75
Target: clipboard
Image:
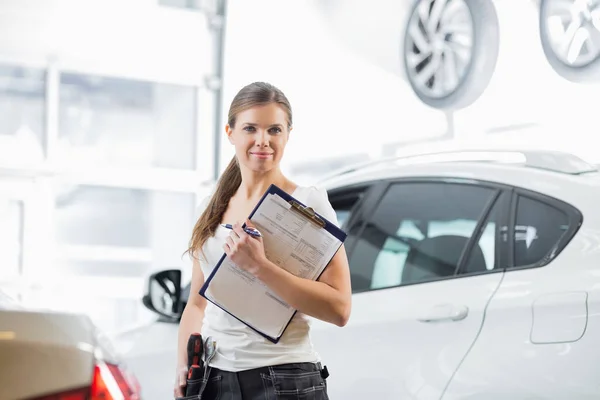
306 212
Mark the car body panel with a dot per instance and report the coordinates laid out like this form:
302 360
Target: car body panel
150 352
409 348
44 352
518 366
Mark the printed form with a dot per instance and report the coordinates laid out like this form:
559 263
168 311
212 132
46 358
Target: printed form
292 242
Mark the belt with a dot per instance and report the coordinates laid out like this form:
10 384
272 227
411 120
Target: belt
257 373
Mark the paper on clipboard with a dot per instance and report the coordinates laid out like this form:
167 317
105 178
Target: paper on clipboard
292 241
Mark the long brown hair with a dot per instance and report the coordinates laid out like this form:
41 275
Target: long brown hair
252 95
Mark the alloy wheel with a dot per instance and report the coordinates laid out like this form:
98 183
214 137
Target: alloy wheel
439 45
572 28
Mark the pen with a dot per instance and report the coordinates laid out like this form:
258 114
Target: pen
249 231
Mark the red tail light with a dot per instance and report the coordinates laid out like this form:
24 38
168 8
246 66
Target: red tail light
110 382
113 383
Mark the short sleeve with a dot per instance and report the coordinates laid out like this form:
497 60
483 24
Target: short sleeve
319 201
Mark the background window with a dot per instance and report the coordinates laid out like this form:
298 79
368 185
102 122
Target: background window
22 114
418 233
112 304
101 216
11 238
110 238
110 121
538 228
103 226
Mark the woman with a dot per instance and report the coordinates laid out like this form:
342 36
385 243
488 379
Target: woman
246 365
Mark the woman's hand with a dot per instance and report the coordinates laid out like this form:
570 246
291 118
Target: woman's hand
180 381
246 251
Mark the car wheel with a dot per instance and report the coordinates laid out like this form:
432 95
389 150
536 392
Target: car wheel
570 36
450 50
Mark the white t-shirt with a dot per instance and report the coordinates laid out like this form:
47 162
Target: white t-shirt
238 346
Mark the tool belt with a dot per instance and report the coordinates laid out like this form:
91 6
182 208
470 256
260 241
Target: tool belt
199 353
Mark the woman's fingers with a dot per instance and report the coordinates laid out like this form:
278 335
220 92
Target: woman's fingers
228 245
180 382
238 231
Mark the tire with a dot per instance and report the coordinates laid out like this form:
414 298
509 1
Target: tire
581 70
481 22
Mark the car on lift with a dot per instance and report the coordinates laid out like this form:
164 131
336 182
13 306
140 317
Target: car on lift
47 355
474 276
447 49
570 36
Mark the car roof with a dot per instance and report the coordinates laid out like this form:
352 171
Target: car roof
556 174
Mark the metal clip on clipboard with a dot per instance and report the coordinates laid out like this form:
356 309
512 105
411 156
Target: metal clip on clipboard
307 212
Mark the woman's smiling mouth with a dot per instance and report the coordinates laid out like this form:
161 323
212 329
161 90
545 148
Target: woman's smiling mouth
261 154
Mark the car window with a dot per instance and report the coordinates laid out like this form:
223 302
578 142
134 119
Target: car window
342 216
491 249
538 229
344 201
418 232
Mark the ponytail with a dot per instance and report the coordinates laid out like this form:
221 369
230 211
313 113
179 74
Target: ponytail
213 214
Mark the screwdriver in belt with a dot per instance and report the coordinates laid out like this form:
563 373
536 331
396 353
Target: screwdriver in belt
194 351
194 381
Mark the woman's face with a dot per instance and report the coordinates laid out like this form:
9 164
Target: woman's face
259 136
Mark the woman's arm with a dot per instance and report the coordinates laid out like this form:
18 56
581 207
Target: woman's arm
328 299
191 321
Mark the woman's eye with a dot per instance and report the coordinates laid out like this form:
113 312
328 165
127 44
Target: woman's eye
275 130
249 129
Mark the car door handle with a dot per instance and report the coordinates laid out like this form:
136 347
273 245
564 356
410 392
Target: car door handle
445 313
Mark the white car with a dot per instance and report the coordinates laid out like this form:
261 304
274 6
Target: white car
475 276
47 355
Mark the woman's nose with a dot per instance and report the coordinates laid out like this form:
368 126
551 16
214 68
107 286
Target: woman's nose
262 139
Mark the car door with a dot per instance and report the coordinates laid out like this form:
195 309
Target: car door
423 258
540 325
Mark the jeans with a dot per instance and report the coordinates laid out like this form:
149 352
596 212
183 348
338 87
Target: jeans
300 381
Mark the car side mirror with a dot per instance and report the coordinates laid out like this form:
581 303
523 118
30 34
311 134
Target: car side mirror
163 293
